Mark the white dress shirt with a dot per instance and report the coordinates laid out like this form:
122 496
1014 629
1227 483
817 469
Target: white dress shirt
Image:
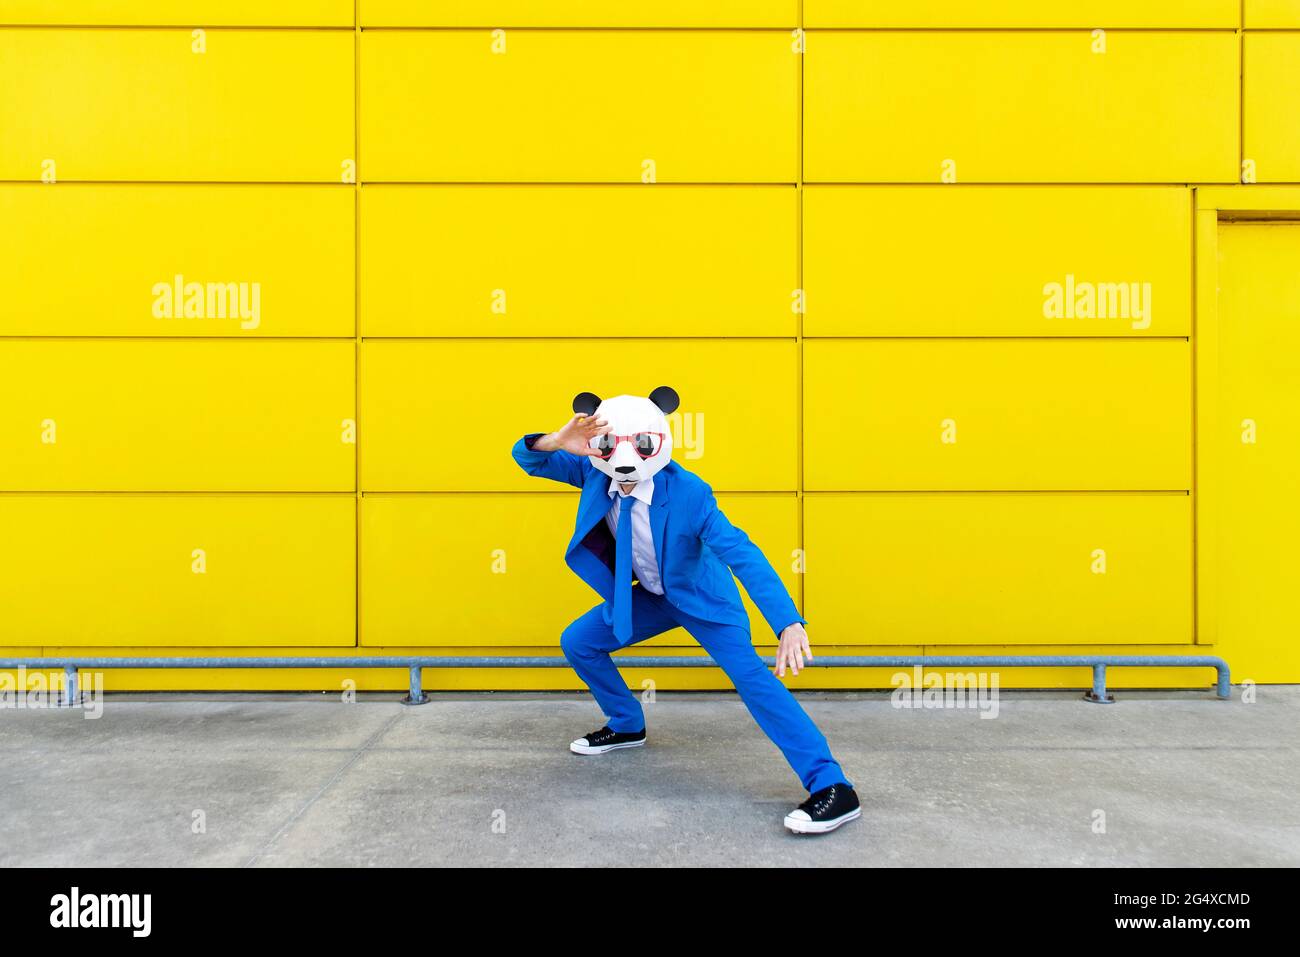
644 565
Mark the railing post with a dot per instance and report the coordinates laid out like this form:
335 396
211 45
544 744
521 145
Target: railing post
416 695
1098 693
70 696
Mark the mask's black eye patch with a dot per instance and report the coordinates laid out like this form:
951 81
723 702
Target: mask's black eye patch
647 443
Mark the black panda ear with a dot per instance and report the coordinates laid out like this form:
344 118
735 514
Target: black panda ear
585 402
666 399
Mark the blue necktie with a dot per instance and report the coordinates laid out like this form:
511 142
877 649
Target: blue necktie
623 571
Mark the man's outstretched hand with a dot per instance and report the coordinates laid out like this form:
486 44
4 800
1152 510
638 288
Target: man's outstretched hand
575 436
792 650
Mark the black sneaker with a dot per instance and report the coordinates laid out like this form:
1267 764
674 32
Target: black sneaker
598 742
824 811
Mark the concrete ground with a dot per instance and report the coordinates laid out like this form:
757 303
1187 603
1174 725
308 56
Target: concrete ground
486 779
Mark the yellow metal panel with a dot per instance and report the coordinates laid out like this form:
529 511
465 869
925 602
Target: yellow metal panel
104 570
159 415
706 106
271 105
194 13
1032 107
579 106
104 260
1271 106
579 261
1272 13
1006 569
1018 14
488 570
1256 451
579 13
1263 202
997 261
737 421
946 414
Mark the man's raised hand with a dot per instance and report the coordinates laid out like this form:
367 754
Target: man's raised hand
575 436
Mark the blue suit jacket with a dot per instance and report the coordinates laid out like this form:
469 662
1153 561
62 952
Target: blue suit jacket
694 542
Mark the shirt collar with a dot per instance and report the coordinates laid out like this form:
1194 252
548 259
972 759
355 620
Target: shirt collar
642 491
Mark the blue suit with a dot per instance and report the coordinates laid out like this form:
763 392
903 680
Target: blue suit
695 546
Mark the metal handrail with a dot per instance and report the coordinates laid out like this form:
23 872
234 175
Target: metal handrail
415 664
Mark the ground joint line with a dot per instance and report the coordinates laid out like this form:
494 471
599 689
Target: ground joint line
284 828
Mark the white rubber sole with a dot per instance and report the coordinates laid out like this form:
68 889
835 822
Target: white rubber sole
578 748
800 826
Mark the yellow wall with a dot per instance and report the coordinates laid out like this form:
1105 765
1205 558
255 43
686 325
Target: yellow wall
282 282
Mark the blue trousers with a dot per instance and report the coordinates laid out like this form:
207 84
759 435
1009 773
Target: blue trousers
587 644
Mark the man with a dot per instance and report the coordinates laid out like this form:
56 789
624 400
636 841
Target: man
643 517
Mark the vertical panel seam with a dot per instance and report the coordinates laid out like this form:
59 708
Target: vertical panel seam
800 526
356 309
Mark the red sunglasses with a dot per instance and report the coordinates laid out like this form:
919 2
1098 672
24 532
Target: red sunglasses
647 444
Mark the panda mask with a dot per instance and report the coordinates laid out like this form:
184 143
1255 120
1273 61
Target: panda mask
639 442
